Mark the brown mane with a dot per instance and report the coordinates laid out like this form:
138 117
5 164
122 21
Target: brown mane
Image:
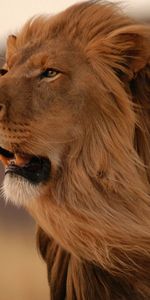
95 221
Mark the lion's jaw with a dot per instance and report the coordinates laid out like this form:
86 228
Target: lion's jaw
28 179
20 191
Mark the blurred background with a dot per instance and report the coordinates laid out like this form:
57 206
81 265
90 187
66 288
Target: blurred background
22 271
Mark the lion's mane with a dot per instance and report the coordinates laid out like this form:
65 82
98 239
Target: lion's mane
95 224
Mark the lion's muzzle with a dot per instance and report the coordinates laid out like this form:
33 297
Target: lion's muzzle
34 169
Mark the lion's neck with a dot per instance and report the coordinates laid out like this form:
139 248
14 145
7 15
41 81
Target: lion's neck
70 278
104 236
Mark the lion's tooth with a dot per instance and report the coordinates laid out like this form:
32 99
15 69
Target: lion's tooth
21 160
4 160
18 160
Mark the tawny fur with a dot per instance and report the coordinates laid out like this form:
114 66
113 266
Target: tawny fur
94 217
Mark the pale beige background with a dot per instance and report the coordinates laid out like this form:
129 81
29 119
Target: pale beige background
22 272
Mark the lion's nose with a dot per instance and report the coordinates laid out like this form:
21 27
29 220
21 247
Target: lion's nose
2 110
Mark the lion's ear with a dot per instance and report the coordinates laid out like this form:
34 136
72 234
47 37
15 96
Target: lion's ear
11 46
129 48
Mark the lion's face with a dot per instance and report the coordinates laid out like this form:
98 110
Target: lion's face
43 94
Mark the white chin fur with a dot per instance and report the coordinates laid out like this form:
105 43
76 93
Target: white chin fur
19 191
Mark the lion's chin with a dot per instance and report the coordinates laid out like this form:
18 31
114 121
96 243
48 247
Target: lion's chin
25 176
20 191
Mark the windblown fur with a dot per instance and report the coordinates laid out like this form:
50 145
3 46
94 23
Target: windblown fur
95 218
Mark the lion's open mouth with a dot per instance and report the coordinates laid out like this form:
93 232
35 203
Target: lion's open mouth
35 169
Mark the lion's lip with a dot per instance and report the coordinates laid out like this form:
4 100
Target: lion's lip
35 169
19 159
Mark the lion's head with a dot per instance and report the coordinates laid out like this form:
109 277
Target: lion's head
74 127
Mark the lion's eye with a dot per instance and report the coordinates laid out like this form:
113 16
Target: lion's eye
50 73
3 72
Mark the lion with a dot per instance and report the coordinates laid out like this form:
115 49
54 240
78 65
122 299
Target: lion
75 142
